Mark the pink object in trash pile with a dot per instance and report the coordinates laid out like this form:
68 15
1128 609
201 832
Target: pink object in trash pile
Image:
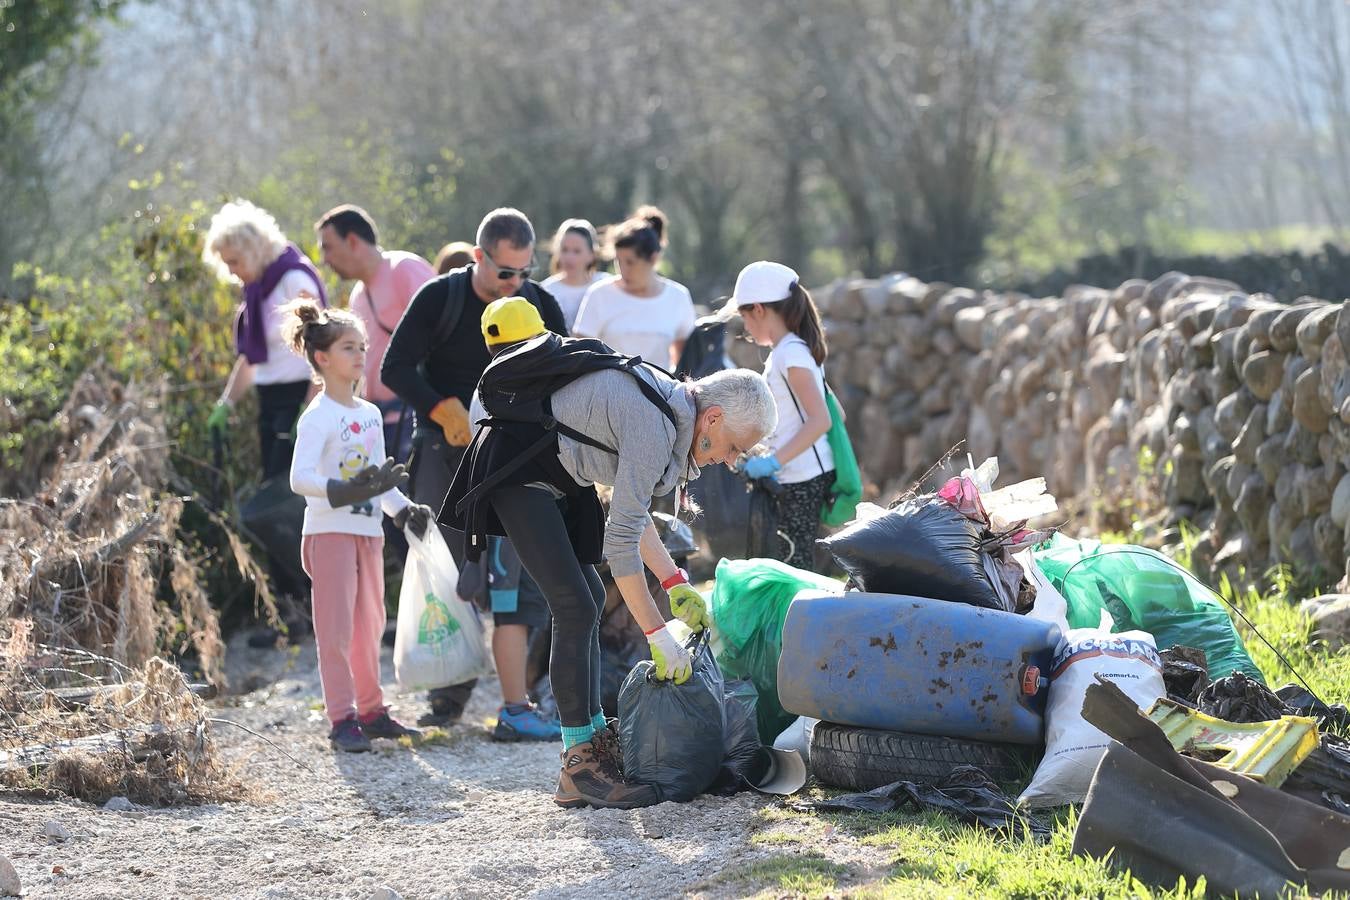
962 494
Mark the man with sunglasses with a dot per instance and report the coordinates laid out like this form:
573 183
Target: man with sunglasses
434 360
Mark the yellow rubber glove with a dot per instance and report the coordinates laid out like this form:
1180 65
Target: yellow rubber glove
453 418
689 607
673 662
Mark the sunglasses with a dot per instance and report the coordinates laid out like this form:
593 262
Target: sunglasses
505 273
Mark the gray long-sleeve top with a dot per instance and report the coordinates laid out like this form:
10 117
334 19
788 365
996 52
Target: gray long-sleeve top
653 454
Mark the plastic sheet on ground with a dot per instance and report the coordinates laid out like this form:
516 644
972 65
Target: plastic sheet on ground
967 794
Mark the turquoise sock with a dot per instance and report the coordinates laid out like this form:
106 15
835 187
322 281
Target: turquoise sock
598 721
574 736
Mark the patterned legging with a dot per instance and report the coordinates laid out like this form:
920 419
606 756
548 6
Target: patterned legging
799 519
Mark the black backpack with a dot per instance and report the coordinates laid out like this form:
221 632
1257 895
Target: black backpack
518 386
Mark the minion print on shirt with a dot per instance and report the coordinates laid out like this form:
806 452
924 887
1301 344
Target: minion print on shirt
360 439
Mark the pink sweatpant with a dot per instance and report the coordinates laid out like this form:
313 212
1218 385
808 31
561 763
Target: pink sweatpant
347 571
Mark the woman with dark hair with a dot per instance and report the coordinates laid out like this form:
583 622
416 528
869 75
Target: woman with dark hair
575 259
779 313
638 312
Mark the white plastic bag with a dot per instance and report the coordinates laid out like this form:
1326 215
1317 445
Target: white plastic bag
1073 748
439 640
1050 605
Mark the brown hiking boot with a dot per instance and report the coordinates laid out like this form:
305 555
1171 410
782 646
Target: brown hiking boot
591 779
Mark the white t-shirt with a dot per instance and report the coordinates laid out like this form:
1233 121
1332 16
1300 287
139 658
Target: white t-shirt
283 364
337 441
792 353
637 326
569 296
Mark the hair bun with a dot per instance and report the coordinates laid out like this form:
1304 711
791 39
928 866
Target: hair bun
655 219
307 311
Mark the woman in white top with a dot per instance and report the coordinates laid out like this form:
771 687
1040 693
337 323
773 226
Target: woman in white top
779 313
638 312
245 245
574 266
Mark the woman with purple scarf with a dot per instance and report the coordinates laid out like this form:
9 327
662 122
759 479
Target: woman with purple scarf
245 245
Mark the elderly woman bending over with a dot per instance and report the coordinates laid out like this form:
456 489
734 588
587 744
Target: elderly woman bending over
644 440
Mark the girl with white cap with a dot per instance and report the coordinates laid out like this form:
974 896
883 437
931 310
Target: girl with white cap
779 313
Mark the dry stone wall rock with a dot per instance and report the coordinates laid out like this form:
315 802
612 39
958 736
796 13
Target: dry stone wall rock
1179 398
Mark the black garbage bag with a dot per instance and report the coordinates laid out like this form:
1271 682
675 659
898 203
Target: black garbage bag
924 548
1238 698
275 516
744 761
966 793
1299 699
741 739
616 665
1185 673
672 735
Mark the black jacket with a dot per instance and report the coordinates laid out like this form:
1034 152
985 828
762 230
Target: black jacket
437 351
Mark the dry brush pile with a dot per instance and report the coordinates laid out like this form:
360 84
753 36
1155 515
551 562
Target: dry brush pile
1180 399
96 587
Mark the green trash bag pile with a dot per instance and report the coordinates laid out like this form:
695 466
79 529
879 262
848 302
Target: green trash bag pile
750 600
1140 589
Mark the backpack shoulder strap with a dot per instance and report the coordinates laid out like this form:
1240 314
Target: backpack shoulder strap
801 415
451 311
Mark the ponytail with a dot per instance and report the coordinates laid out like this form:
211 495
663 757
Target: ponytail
803 319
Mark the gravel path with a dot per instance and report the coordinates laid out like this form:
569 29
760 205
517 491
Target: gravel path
467 818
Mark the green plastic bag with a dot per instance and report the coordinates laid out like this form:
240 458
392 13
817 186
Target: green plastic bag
750 600
1141 589
847 489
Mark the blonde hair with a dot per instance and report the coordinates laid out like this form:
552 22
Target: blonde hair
307 327
247 228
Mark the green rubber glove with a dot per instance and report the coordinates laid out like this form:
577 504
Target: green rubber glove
219 420
689 607
673 662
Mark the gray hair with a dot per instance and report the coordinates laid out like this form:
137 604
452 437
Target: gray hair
505 224
744 397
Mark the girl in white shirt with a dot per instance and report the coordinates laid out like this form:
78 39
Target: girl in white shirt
638 312
779 313
349 485
575 260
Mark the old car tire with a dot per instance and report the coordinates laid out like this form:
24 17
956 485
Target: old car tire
864 758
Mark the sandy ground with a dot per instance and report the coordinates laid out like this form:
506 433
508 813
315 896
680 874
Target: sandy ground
466 818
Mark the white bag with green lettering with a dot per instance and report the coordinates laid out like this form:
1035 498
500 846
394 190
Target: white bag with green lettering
439 640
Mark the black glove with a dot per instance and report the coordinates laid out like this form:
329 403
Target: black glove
413 519
369 482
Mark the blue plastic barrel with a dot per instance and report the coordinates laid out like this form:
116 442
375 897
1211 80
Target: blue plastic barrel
912 664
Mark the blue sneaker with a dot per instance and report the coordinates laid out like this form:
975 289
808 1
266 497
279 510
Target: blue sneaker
526 725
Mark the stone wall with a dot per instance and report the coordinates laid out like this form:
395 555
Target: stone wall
1177 399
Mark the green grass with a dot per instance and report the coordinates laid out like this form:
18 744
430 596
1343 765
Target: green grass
804 875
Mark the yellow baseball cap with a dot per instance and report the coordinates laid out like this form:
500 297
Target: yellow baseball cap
511 319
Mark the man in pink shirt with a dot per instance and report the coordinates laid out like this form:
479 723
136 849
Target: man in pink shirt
386 282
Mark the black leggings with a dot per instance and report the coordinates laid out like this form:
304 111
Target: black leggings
278 408
799 519
534 523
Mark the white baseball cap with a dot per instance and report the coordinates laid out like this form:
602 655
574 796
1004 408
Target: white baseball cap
760 282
